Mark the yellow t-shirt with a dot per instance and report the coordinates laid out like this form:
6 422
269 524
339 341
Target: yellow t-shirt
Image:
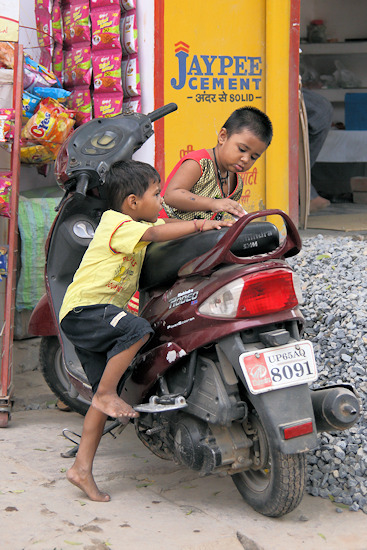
110 269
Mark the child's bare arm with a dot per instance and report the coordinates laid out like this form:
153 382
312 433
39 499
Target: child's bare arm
171 231
178 193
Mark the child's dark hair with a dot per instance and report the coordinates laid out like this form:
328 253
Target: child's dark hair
126 178
253 119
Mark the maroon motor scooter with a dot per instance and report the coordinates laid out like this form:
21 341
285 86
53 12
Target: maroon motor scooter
223 386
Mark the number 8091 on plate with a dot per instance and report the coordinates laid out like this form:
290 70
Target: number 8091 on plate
274 368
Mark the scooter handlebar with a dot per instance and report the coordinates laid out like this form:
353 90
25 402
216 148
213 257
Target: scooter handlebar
162 111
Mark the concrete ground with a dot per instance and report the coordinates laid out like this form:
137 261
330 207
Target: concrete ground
155 504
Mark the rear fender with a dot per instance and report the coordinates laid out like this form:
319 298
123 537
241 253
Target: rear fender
277 409
42 322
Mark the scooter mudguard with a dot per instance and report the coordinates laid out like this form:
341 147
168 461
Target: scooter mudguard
277 409
41 322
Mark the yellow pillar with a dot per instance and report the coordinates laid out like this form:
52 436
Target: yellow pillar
277 102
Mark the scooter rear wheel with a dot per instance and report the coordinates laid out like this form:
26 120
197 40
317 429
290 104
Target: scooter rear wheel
276 486
54 372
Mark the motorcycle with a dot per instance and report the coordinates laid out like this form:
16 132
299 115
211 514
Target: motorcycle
223 386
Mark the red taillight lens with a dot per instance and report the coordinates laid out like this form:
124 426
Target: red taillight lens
267 292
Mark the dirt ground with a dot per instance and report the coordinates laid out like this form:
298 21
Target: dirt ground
155 504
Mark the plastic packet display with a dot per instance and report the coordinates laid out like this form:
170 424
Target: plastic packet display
77 67
106 28
80 102
131 105
5 190
107 71
49 126
107 105
79 23
130 75
129 33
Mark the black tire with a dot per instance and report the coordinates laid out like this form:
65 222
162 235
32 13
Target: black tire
54 372
277 486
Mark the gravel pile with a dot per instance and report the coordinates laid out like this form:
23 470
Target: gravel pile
333 272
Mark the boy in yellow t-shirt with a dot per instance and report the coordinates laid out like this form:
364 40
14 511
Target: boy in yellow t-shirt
106 337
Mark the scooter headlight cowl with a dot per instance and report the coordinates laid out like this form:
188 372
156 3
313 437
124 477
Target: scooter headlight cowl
254 295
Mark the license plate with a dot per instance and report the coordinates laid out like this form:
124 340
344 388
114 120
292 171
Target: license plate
279 367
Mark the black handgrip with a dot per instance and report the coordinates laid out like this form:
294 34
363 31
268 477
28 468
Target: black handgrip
162 111
82 186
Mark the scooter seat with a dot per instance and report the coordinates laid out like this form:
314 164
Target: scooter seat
163 260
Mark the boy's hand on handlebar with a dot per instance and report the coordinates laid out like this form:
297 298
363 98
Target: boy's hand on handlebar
230 206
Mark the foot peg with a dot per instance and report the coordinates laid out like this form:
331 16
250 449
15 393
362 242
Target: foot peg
161 404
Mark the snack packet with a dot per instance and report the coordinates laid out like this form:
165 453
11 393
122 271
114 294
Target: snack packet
36 74
130 75
128 5
7 124
5 190
107 105
32 153
107 71
49 126
129 33
30 103
6 55
103 3
66 24
3 262
80 101
131 105
106 28
56 23
79 23
58 61
43 26
59 94
77 66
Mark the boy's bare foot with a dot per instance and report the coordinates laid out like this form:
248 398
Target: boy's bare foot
112 405
318 203
85 482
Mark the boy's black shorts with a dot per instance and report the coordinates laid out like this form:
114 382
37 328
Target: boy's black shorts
99 332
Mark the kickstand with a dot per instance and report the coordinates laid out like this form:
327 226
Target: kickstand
108 430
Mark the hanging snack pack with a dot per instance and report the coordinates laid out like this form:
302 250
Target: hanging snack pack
130 75
80 101
129 33
5 190
107 71
7 124
128 5
77 67
107 105
79 23
131 105
106 28
48 127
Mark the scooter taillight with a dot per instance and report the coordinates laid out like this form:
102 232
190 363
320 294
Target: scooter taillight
265 293
254 295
